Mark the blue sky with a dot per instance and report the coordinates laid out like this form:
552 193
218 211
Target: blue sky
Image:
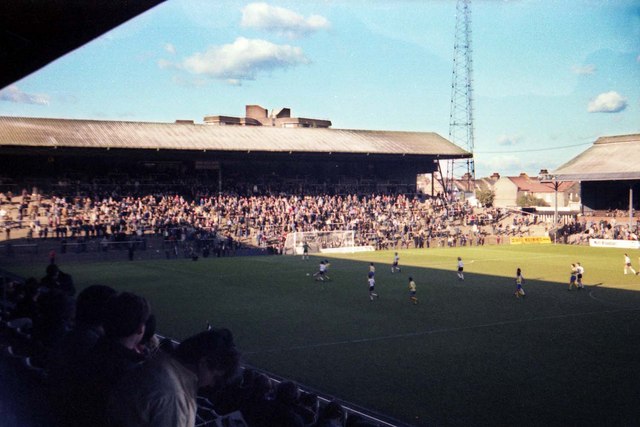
549 76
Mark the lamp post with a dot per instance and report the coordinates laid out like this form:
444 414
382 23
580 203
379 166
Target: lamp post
546 177
555 205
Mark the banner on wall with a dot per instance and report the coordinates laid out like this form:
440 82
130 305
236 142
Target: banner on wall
610 243
530 240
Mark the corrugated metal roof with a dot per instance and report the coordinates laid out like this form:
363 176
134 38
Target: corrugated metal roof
44 132
609 158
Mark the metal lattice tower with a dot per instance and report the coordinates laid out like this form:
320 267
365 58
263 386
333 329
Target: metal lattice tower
461 113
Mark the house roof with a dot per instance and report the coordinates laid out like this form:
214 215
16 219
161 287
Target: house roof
533 185
609 158
45 132
484 183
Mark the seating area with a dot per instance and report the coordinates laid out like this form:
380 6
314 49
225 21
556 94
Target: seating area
611 228
382 220
44 337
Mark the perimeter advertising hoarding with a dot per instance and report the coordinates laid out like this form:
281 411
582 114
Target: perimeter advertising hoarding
607 243
530 240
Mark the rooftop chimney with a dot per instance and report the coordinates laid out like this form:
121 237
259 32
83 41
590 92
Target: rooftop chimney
256 112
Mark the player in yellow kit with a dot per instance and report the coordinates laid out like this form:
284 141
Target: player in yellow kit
519 282
412 291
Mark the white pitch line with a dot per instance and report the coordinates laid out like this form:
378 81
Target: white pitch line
453 264
439 331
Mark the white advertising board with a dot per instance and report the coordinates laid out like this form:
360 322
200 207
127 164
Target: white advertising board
607 243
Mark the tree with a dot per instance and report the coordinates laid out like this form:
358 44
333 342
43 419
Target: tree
486 197
527 200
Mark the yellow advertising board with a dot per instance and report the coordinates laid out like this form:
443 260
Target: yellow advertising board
530 240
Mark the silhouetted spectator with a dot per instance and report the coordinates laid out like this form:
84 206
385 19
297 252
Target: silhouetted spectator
256 407
113 356
331 415
74 347
285 404
56 311
308 405
27 300
149 343
58 280
163 392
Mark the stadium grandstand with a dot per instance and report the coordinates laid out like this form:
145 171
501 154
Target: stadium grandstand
607 170
310 158
609 176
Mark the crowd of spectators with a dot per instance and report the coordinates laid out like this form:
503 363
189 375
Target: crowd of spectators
224 221
104 365
579 232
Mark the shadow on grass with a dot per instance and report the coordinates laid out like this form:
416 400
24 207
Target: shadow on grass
469 354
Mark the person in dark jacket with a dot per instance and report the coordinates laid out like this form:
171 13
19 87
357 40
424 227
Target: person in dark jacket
58 280
113 357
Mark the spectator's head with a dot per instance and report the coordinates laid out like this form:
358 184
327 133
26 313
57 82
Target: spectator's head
125 316
52 270
309 400
333 411
262 386
90 304
287 393
211 355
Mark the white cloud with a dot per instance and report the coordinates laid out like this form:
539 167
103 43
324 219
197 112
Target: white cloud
584 69
242 60
508 140
281 21
14 94
170 48
608 102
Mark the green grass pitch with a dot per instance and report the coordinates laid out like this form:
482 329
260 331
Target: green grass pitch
469 353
